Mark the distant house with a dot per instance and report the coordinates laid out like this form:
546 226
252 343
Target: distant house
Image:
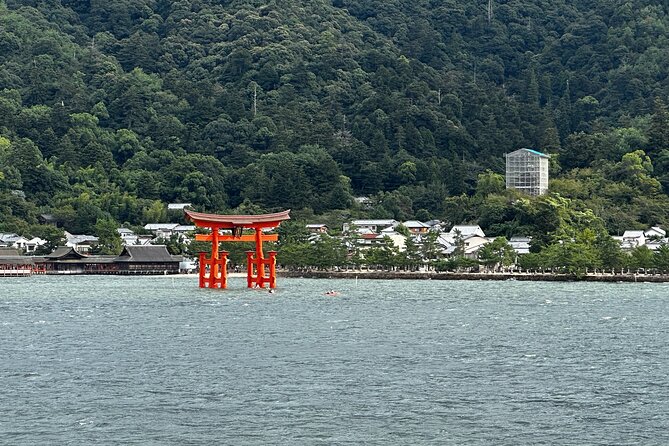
652 238
399 240
521 245
416 227
317 228
48 219
125 233
632 239
363 202
467 231
130 238
655 233
434 224
184 229
81 243
473 244
372 225
34 243
11 240
162 230
655 244
527 171
472 239
178 206
371 239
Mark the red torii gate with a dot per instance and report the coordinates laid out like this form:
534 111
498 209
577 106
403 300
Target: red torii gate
256 261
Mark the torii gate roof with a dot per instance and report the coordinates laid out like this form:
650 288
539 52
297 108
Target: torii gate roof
231 221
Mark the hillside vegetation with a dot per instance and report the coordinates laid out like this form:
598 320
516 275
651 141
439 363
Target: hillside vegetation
110 109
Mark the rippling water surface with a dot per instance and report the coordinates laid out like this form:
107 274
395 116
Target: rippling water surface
125 361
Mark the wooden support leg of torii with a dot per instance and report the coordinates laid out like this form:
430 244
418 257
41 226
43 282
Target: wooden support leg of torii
260 271
214 270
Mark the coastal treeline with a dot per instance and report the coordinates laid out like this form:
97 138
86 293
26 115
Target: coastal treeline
566 237
109 110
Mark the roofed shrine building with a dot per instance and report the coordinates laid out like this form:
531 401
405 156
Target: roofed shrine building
261 271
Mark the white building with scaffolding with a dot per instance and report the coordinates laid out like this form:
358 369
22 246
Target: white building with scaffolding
527 171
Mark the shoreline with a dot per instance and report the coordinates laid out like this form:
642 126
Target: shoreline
528 277
406 275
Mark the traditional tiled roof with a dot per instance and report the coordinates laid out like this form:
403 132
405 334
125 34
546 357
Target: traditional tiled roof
15 260
146 253
63 252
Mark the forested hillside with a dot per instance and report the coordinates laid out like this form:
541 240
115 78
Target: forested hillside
110 109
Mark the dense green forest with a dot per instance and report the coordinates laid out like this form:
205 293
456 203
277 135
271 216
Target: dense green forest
110 109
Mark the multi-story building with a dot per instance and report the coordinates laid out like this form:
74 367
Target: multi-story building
527 170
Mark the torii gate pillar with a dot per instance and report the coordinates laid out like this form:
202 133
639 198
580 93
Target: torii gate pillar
261 271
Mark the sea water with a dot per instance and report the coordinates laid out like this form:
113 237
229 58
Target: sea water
154 360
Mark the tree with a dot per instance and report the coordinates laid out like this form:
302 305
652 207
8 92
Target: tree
54 237
411 256
658 133
429 246
661 258
641 257
109 240
497 253
327 252
490 183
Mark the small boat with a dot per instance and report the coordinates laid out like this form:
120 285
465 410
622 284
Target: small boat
331 293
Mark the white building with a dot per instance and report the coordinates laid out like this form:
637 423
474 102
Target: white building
317 228
416 227
178 206
34 243
655 233
162 230
81 243
467 231
470 244
527 171
372 225
11 240
520 244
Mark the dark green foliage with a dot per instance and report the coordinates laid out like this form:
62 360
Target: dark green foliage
110 108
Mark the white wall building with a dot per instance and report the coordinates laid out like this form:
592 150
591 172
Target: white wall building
372 225
466 231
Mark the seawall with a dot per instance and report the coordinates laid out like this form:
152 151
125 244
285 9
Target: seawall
547 277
